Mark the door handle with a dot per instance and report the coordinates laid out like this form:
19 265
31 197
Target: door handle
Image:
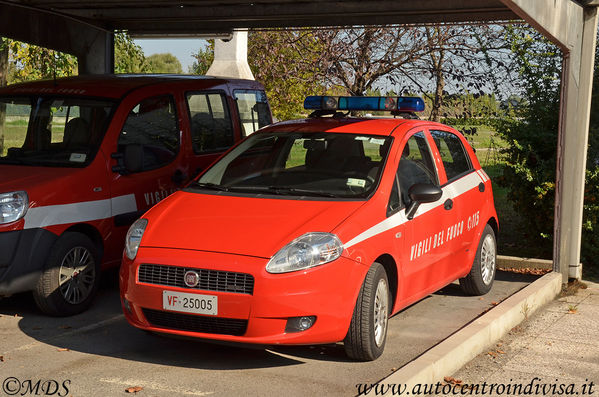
448 204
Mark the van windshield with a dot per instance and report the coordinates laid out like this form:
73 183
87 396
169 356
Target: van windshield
319 164
52 131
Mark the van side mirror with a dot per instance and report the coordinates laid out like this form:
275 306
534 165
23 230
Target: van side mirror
129 161
421 193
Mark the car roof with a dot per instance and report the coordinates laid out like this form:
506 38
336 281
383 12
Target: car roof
353 125
117 85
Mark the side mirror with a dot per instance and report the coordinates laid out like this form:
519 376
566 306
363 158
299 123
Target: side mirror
131 160
134 158
422 193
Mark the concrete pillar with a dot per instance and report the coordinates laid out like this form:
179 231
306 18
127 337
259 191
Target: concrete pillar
231 58
97 56
577 84
573 29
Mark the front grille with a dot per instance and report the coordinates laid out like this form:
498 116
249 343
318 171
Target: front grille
193 323
210 280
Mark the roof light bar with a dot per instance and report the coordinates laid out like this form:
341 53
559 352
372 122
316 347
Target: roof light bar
400 104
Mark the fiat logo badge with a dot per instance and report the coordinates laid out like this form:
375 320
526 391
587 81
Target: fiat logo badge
191 278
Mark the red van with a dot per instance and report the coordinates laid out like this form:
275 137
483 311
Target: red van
82 158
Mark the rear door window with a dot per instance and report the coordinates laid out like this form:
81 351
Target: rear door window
211 128
455 159
253 110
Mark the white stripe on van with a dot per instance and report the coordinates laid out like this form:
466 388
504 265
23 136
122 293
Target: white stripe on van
85 211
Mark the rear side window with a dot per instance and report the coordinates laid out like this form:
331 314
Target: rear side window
452 151
211 128
253 110
150 133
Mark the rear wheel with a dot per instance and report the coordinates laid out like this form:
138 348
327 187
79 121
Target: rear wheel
70 278
480 279
367 334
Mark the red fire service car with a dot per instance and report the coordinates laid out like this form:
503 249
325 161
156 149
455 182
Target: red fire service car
315 231
82 158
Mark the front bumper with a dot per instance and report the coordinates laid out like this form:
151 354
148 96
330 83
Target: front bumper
328 292
23 254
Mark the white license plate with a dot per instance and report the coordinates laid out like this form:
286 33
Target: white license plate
190 303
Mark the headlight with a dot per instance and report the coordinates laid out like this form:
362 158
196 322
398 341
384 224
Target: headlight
309 250
133 239
13 206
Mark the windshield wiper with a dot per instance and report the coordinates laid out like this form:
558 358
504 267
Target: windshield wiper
283 190
212 186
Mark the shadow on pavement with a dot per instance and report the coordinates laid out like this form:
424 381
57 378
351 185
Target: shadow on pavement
103 331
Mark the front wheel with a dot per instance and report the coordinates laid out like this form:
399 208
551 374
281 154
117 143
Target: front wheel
367 334
70 278
480 279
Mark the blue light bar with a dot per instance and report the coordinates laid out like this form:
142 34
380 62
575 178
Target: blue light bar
399 104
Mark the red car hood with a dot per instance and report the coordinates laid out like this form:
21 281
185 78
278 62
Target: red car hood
36 181
239 225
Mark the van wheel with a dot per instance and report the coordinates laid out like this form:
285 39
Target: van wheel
367 334
70 278
480 279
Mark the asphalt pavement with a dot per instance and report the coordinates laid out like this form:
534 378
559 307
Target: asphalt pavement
98 353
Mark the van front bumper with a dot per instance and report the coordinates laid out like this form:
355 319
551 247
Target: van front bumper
22 257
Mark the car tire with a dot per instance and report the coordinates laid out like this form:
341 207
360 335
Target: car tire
367 334
480 279
70 278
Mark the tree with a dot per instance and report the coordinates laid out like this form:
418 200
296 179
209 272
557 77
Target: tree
163 63
286 62
531 133
32 62
128 56
461 58
203 59
356 59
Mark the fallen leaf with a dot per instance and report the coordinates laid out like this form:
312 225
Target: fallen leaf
494 303
500 351
572 310
499 344
134 389
1 358
481 299
63 349
393 369
492 354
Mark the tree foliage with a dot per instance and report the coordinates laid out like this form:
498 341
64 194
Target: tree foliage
286 62
163 63
128 56
31 62
203 59
531 130
355 59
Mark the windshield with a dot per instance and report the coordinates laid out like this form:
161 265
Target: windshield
301 164
52 131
